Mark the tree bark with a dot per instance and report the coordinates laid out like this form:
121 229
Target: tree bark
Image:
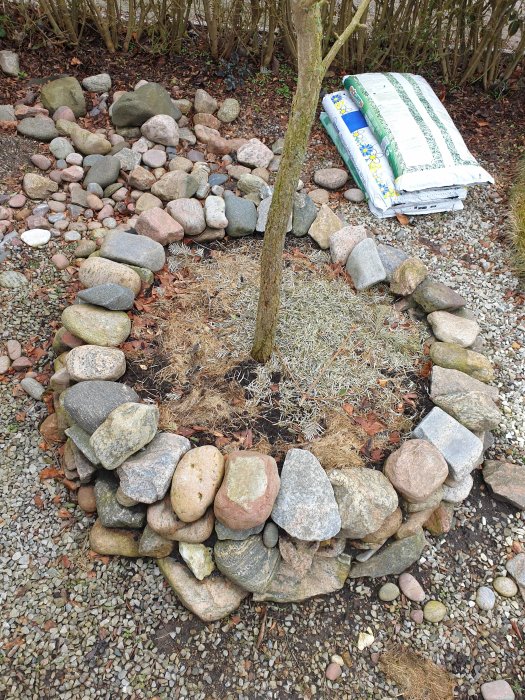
311 69
307 21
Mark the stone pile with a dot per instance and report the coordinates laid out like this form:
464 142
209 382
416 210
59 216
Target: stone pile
220 526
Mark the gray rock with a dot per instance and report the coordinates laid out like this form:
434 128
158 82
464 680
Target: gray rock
9 63
392 559
326 575
134 250
211 599
305 506
365 498
252 184
354 195
436 296
91 362
303 214
39 128
7 113
127 428
474 409
81 440
248 563
128 159
452 381
11 279
33 388
270 535
456 491
61 147
241 215
450 328
110 296
175 185
78 462
497 690
388 592
390 257
189 214
109 510
485 598
229 110
96 325
330 178
135 108
104 172
516 568
97 83
462 450
91 161
364 265
262 216
64 92
146 477
90 403
152 544
204 103
226 533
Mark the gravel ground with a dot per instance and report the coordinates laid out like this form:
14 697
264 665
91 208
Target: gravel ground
80 627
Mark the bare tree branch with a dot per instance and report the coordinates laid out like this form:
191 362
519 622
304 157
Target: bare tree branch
344 36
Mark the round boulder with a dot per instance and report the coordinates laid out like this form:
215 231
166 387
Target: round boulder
416 470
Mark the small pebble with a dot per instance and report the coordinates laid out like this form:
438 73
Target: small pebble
505 586
336 659
416 616
32 387
485 598
354 195
333 671
388 592
434 611
411 588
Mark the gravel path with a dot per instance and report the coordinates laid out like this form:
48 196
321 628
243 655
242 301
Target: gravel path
80 627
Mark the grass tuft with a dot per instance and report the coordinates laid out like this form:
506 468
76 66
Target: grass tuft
416 677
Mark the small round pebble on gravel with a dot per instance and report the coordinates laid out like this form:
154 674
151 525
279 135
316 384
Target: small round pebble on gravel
388 592
434 611
505 586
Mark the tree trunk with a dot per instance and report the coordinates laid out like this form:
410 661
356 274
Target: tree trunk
307 22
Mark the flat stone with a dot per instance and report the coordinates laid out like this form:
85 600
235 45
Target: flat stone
457 491
304 213
434 611
146 476
306 506
391 258
450 328
198 531
91 362
226 533
36 237
114 542
497 690
129 161
343 241
506 481
436 296
39 128
127 428
154 158
7 113
485 598
64 92
89 403
364 265
109 510
110 296
132 109
416 470
389 592
175 185
330 178
241 215
407 276
211 599
154 545
147 201
365 497
248 563
142 251
474 409
326 575
96 325
33 388
462 450
248 491
189 214
451 381
388 527
411 588
11 279
452 356
81 440
325 224
198 558
104 172
77 461
392 559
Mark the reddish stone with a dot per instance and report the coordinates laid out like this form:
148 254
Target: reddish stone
86 499
21 363
333 671
70 340
440 522
60 261
14 349
219 145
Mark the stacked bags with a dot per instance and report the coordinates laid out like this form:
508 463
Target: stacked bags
400 144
